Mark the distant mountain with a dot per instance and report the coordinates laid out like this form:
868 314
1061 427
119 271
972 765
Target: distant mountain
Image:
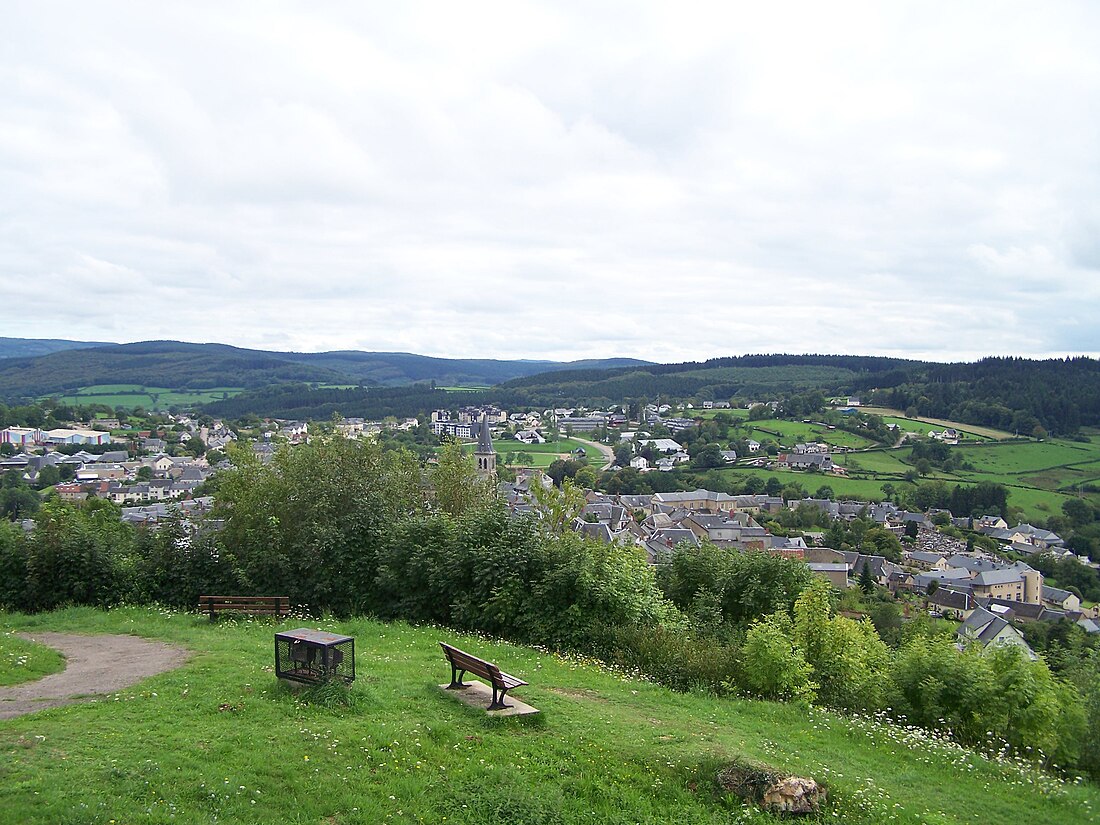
185 366
31 347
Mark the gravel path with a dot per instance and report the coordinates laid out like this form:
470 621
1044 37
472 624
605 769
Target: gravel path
95 665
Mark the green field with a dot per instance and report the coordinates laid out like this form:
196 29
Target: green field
847 488
543 455
1040 475
219 740
794 432
883 462
151 398
923 425
1028 457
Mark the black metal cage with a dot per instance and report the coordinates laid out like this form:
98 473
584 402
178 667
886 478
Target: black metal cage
314 656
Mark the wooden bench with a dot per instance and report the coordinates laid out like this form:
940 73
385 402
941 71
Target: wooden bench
253 605
462 662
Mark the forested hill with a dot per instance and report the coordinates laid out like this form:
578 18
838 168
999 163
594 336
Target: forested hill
157 364
186 366
744 377
1057 395
399 368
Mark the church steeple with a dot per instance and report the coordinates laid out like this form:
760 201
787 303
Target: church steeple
485 454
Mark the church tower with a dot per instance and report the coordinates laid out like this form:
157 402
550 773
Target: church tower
485 454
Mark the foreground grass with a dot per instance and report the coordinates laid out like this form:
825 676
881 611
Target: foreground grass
22 661
220 740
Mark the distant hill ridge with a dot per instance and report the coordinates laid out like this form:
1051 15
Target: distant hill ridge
63 366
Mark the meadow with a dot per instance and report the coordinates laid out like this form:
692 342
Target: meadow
220 740
151 398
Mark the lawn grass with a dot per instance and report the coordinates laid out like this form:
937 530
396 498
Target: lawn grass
22 661
219 740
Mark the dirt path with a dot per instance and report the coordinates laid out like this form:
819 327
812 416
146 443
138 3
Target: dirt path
95 665
607 452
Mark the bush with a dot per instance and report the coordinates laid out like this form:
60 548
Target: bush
668 655
79 556
773 667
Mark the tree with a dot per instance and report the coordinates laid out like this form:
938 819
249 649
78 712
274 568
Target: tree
866 579
1078 511
849 660
709 456
455 482
557 506
623 453
586 478
48 476
144 473
310 522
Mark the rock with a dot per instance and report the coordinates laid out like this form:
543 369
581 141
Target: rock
771 790
793 795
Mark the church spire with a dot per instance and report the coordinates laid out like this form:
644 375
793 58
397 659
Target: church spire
485 454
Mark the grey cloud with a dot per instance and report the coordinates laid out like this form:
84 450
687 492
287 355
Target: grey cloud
556 180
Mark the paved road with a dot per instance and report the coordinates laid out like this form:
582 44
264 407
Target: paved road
608 453
94 665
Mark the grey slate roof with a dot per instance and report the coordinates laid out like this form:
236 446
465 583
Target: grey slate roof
991 577
484 440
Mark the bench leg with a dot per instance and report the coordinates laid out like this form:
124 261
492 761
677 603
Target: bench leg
498 699
456 683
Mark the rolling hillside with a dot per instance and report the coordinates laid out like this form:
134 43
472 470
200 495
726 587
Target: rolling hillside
184 366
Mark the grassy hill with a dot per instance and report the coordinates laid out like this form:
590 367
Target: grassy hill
220 740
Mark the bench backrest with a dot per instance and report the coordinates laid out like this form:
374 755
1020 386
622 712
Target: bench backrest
472 664
277 604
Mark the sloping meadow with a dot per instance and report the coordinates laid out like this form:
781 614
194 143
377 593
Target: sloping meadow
219 739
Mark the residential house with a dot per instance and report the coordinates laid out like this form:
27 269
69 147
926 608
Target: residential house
952 604
804 461
986 629
835 573
1061 599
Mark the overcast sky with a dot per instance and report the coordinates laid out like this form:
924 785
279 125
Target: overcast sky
555 180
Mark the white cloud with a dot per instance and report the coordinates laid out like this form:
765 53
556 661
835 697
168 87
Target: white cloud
554 180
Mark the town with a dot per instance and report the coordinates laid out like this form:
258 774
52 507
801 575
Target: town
970 569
